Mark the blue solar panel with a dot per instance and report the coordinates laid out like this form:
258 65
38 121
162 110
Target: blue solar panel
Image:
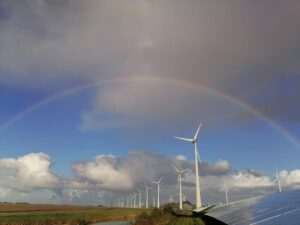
278 208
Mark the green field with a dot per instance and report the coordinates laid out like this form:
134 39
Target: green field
30 214
68 215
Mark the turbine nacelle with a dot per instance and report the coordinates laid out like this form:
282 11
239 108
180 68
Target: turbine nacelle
178 171
157 182
191 140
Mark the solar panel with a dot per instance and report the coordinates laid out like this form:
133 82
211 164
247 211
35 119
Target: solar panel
277 208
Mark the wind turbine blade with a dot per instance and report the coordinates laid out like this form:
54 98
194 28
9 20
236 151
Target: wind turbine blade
184 171
196 134
185 139
175 168
160 179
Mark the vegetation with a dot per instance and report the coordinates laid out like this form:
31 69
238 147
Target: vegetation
187 221
167 216
30 214
61 215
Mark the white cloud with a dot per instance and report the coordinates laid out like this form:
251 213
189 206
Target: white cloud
27 178
28 172
181 157
290 178
106 172
4 192
246 179
109 172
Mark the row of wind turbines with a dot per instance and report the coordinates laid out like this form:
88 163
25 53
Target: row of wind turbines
131 199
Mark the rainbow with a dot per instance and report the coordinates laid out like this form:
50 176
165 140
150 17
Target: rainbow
206 89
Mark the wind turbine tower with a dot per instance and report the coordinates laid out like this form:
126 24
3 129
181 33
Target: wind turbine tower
197 180
140 198
226 193
277 180
179 176
147 195
134 200
158 189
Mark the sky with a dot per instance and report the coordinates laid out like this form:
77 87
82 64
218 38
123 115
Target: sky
93 92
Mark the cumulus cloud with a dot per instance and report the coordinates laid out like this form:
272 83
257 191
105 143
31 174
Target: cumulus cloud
108 177
109 172
290 178
28 172
119 175
4 192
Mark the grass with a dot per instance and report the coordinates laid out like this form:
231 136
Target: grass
167 216
16 214
186 221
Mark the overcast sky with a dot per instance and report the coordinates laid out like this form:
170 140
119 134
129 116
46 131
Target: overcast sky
92 93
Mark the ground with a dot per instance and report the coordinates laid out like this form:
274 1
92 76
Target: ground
28 214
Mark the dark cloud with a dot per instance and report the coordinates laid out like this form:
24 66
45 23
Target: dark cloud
241 48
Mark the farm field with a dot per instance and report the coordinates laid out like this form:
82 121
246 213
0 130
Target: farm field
30 214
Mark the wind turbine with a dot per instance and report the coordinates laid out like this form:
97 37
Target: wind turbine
134 200
140 198
194 141
179 174
127 202
131 201
171 199
226 193
147 195
277 180
158 184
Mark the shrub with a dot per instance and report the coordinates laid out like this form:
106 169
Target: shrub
156 213
167 209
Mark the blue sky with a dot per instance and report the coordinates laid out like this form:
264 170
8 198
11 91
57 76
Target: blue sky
166 75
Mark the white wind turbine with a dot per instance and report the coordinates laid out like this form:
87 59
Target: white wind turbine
127 202
179 176
226 193
131 201
147 195
277 180
134 200
158 185
140 198
194 142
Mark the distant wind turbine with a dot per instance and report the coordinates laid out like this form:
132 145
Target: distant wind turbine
134 200
140 198
194 142
277 180
158 184
147 195
226 193
131 201
179 176
171 199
